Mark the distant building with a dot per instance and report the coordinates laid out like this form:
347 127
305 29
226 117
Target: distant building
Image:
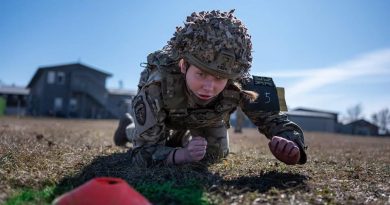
360 127
307 119
75 91
15 98
314 120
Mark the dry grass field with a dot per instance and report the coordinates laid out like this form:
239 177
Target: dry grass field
42 158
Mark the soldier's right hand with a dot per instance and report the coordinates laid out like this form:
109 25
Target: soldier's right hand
196 149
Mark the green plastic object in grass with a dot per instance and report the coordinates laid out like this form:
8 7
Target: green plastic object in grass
2 106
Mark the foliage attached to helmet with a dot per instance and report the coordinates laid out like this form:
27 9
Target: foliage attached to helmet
215 41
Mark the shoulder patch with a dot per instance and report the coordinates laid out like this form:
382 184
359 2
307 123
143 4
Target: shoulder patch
140 110
268 99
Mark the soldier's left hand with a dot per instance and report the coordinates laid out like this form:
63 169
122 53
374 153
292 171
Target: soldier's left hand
284 150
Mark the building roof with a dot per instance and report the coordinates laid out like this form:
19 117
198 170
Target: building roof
116 91
311 114
361 122
41 70
314 110
16 90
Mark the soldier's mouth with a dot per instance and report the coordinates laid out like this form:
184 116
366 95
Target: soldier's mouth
204 97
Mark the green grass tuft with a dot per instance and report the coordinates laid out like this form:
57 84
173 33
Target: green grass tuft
162 193
30 196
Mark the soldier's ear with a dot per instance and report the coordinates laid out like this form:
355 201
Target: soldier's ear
182 66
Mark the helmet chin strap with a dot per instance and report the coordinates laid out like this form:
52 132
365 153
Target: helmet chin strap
191 95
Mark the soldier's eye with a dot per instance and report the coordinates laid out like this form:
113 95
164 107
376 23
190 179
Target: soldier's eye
200 74
219 78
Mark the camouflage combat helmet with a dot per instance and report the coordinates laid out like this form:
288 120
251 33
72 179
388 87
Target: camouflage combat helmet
216 42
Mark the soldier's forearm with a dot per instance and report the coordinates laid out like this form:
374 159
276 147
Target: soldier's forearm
177 156
277 124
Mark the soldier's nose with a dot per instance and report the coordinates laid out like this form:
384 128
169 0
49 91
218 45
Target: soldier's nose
208 84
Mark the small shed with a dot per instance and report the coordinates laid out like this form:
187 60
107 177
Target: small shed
119 100
15 99
360 127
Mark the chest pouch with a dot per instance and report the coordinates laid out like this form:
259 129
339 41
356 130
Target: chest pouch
174 96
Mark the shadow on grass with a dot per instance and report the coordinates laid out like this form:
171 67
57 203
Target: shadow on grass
161 185
177 185
267 181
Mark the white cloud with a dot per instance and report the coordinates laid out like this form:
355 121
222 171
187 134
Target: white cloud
371 64
306 83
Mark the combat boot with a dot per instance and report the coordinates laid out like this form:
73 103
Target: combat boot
120 138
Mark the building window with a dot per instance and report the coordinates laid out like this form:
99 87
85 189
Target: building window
73 104
60 77
58 103
51 77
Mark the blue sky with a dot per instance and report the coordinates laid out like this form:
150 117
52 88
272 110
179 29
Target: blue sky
328 54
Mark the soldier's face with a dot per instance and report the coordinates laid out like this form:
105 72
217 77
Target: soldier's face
204 85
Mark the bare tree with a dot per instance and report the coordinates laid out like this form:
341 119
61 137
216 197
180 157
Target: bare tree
354 112
382 119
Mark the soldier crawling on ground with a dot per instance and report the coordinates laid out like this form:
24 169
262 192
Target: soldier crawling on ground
188 90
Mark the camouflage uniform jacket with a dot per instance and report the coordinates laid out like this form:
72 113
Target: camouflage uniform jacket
162 105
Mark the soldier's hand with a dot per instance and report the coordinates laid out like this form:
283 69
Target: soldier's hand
194 151
196 148
284 150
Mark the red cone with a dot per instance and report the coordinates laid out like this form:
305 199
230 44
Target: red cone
102 191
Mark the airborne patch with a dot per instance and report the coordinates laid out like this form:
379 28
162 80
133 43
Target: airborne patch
140 110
